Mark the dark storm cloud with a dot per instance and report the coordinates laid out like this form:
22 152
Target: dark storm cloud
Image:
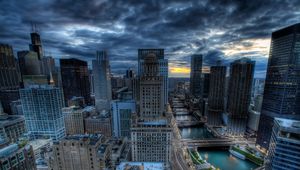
73 28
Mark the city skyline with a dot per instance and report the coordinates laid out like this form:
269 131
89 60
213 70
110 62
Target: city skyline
218 30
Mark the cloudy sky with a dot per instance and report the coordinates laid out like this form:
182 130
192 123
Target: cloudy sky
218 29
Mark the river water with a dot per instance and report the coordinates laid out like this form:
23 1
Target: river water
219 158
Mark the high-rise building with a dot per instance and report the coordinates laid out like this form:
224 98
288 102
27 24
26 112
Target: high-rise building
42 108
282 85
151 131
75 79
151 88
11 127
102 81
284 145
196 85
163 67
216 94
81 152
36 44
206 84
121 113
10 78
239 95
29 63
17 156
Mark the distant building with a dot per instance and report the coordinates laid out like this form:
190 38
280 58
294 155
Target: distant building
75 79
12 127
102 81
216 97
81 152
206 84
284 145
10 78
163 67
42 107
121 114
99 124
282 85
196 85
239 95
36 44
29 63
74 118
17 156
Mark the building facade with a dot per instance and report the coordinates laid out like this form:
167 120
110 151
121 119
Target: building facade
121 113
284 152
99 124
282 85
74 118
102 81
75 79
239 95
216 97
11 127
17 156
163 67
81 152
151 132
10 78
42 108
196 85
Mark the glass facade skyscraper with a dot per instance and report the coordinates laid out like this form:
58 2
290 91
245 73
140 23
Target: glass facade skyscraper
75 79
284 148
42 108
282 85
195 77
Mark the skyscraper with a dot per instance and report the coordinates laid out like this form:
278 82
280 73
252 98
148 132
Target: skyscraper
102 81
216 94
284 145
36 44
163 67
239 95
10 78
282 85
151 88
75 79
29 63
195 76
206 84
42 108
151 130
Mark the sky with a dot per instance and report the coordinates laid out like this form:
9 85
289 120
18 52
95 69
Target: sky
219 29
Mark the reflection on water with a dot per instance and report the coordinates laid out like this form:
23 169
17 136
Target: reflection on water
225 161
197 132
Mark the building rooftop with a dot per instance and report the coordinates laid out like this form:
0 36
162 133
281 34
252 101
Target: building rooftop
140 166
6 120
288 123
92 138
